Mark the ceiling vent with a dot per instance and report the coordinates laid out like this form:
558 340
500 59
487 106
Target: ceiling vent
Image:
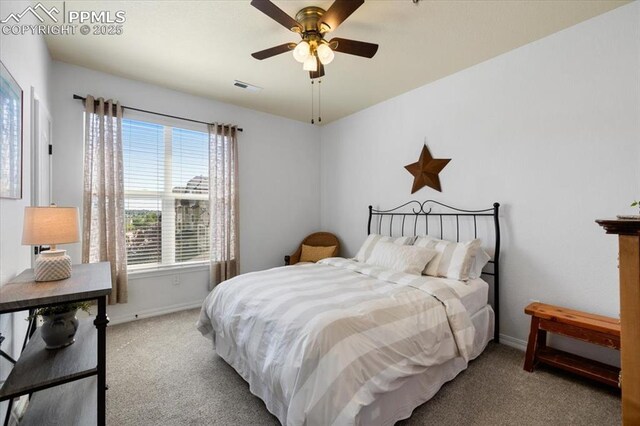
246 86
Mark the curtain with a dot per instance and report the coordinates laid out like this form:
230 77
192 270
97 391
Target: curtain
103 234
223 203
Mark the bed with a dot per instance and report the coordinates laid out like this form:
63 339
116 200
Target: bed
344 342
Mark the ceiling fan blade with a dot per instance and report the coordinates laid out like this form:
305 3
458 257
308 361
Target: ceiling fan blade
277 14
319 73
337 13
273 51
354 47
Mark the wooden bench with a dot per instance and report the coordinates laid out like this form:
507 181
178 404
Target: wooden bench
596 329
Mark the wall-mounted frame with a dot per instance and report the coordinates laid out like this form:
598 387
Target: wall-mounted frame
11 131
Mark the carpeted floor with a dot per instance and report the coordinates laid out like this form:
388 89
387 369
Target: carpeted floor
161 371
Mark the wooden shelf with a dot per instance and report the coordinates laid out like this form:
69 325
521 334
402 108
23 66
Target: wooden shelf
88 281
603 373
71 404
39 368
620 226
67 385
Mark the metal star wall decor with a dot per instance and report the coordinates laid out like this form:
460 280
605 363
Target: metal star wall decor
425 170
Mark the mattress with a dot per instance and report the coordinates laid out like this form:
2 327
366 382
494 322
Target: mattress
473 294
413 391
319 342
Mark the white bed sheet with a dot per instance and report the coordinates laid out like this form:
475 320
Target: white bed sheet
474 294
234 314
414 391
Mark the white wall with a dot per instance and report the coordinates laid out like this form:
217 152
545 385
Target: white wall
279 176
27 59
550 130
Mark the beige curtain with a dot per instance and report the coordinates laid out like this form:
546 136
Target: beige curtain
223 203
103 234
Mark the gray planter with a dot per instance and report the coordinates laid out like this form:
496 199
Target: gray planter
59 330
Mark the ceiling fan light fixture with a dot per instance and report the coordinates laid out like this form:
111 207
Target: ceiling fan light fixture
325 54
310 64
312 23
302 51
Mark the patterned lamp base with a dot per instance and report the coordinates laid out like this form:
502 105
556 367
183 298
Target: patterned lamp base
52 265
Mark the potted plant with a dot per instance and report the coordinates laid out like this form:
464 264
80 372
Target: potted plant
59 324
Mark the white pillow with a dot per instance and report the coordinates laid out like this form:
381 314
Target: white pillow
480 260
373 239
408 259
453 259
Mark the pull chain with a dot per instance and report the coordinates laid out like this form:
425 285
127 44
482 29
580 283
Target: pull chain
312 122
319 102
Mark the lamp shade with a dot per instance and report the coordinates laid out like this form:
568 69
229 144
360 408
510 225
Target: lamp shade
325 54
50 225
310 64
302 51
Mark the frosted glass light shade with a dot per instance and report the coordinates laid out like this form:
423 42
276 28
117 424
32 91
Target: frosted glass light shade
325 54
50 225
310 64
301 51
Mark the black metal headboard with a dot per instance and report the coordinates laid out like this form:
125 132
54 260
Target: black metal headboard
410 215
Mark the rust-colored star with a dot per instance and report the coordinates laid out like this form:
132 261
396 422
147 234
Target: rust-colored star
425 171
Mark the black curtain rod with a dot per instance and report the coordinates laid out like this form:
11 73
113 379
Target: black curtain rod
156 113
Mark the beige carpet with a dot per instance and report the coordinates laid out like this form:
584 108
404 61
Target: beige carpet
161 371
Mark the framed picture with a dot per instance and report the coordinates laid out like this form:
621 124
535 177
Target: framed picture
10 136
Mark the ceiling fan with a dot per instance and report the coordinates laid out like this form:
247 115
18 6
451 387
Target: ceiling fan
312 23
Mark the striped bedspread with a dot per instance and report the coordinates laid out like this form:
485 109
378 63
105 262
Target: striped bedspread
320 341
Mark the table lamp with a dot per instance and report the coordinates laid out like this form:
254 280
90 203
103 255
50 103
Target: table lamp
50 226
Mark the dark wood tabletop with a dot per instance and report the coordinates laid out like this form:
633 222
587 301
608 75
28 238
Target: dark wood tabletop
87 281
620 226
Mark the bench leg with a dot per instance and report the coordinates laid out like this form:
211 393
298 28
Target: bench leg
542 340
537 340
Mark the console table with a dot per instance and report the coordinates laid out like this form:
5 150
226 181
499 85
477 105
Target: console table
628 232
67 385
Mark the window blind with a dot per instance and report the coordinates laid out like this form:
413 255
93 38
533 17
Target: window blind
166 187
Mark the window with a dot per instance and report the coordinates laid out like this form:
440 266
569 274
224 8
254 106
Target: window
166 185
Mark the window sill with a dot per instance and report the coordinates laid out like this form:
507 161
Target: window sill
154 271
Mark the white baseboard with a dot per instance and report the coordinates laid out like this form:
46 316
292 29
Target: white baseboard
513 342
154 312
